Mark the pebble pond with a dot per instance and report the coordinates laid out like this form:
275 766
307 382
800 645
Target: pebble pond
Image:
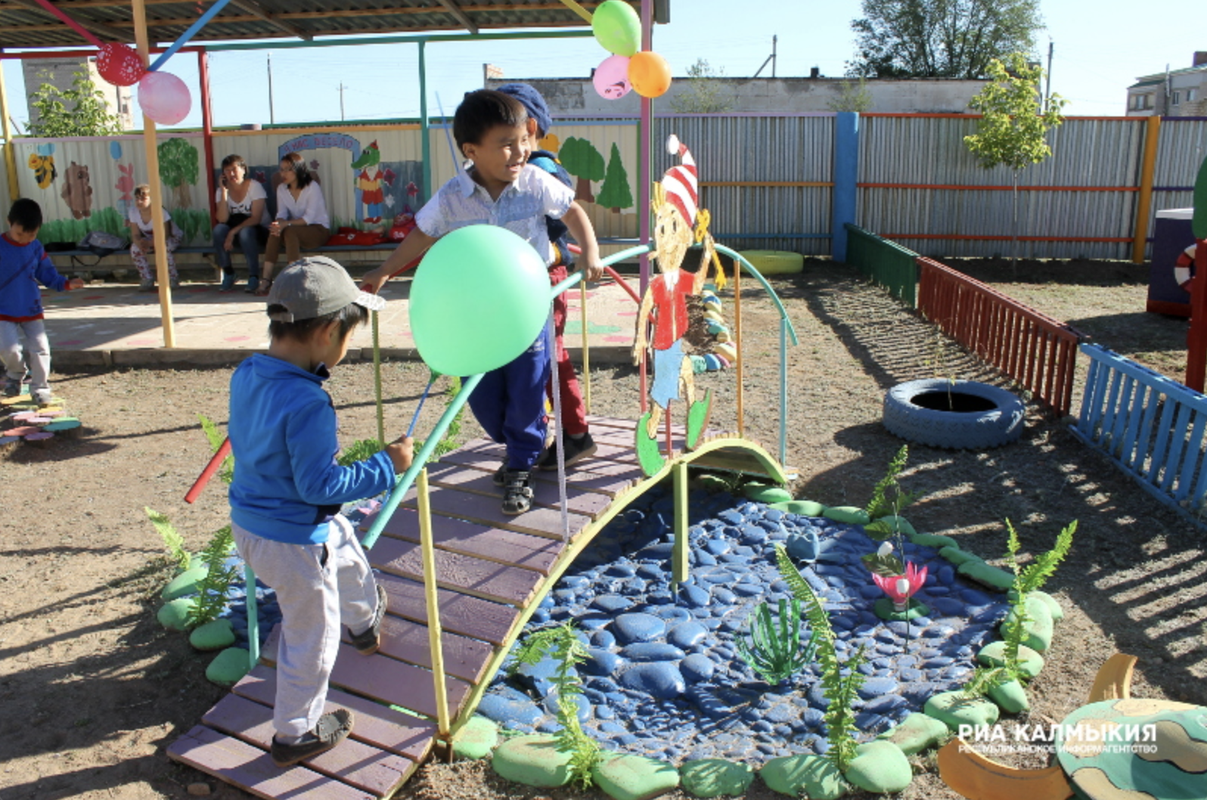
664 678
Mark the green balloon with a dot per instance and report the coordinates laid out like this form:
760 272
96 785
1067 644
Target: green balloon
478 300
617 27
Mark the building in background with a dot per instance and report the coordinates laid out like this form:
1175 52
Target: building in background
1176 93
567 96
61 73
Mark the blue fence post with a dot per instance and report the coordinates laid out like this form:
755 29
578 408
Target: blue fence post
846 174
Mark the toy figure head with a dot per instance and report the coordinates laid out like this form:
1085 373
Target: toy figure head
672 234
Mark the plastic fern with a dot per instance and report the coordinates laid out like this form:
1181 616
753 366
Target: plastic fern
882 502
562 644
212 590
226 472
774 649
1027 580
171 538
359 450
839 691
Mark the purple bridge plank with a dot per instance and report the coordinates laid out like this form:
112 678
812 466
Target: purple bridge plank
468 538
459 613
487 579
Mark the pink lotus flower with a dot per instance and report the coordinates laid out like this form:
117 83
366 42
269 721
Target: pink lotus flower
900 588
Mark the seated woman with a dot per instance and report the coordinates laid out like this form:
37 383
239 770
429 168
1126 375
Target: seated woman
142 238
242 212
302 220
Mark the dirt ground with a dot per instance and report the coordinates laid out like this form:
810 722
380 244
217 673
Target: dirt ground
92 690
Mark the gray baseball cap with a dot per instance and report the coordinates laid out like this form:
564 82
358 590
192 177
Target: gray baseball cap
314 287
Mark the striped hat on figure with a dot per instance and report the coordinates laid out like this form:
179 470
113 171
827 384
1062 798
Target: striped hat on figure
682 182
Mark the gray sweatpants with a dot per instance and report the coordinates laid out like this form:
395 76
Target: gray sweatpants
319 587
37 346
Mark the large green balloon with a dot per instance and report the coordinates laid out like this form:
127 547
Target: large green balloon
479 298
617 27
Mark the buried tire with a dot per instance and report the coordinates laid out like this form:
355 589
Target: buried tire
959 415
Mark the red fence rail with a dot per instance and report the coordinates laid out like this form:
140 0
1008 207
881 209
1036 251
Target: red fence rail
1034 349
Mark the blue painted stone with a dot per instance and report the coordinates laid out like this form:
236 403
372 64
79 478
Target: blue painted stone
842 622
629 628
724 596
803 546
974 597
671 614
937 662
872 723
660 679
761 726
783 712
704 558
911 674
752 534
509 708
877 687
731 516
601 662
652 651
938 631
591 621
536 677
651 572
693 595
870 592
658 552
603 638
611 603
611 727
945 575
747 589
583 704
696 667
717 547
885 704
687 635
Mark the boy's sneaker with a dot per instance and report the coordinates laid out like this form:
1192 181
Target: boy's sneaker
146 286
331 729
367 642
174 283
12 387
576 450
43 397
517 494
500 475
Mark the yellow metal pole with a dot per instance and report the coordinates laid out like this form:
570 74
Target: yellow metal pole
10 152
679 567
582 289
577 9
1143 208
150 146
433 604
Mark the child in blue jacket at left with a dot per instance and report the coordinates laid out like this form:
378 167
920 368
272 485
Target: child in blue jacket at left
287 491
23 265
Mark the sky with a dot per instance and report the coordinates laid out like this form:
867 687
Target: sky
1099 49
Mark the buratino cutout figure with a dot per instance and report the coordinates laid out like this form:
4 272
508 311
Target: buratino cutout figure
665 307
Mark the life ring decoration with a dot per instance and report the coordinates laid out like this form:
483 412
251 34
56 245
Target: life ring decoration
1183 267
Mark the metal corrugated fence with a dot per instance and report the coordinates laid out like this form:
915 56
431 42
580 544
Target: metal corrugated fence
746 151
1100 157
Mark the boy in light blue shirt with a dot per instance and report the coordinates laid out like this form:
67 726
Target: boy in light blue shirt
501 188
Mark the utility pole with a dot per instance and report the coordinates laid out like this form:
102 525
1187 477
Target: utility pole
1048 77
770 59
272 117
341 101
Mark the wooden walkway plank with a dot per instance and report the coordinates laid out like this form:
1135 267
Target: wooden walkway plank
468 538
544 493
376 724
382 678
609 452
593 474
459 613
405 640
251 769
352 762
487 579
539 520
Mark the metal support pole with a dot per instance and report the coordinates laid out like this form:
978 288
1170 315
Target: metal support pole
679 560
10 155
433 606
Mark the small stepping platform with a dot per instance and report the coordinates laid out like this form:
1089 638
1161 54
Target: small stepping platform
490 570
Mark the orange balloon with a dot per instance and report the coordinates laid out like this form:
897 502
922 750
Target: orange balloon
649 74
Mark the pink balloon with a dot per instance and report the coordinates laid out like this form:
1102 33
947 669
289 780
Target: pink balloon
611 78
164 97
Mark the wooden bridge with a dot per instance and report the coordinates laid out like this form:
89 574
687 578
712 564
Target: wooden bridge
491 572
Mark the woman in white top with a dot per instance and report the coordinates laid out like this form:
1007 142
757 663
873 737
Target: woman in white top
142 238
302 220
242 214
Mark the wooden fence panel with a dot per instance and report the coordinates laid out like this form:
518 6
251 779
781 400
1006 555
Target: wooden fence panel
1152 427
1033 349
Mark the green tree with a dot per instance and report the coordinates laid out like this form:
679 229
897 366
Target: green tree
852 97
940 38
615 193
178 168
704 93
583 161
79 111
1014 122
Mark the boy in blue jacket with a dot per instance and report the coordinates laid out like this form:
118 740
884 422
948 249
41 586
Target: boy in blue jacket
287 492
23 265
